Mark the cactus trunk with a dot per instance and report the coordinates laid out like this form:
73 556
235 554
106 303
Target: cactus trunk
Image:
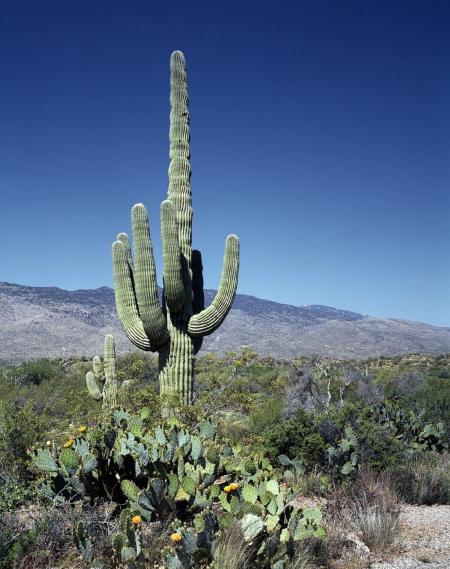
176 366
176 328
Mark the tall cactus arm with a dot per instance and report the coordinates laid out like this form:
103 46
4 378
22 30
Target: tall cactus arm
109 362
179 192
125 299
212 317
174 293
150 311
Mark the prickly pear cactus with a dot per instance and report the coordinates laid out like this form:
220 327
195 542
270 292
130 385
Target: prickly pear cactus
170 472
176 328
102 382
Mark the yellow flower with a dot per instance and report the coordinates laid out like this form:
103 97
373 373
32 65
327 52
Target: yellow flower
227 488
136 520
68 444
234 486
176 537
82 429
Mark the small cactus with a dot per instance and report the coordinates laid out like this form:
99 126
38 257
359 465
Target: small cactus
102 382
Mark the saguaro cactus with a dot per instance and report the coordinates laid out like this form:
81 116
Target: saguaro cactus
176 328
101 382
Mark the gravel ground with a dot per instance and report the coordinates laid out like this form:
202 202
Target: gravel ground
424 540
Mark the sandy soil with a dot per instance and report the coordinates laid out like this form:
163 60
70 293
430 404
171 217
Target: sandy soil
424 540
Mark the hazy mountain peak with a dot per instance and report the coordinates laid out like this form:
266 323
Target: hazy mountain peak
49 321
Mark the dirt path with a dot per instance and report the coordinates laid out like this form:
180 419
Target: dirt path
424 540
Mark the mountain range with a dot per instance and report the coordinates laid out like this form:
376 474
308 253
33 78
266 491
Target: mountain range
50 322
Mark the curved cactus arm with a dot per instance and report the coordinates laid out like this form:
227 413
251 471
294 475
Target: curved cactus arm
126 243
212 317
144 272
174 293
94 386
125 299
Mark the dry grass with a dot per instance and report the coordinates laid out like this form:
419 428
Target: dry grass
376 511
360 516
425 480
377 526
304 557
231 550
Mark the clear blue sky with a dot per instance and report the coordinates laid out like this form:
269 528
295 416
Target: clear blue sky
320 135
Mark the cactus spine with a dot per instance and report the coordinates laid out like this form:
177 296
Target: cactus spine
101 381
175 329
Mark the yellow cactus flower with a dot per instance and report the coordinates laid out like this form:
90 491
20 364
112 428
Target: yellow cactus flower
227 489
176 537
136 520
234 486
82 429
68 444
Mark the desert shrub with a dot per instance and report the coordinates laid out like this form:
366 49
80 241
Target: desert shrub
266 416
138 396
314 483
424 479
13 494
378 447
19 428
299 438
137 367
34 538
31 373
433 396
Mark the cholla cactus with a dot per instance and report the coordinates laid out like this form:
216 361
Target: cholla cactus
176 328
101 382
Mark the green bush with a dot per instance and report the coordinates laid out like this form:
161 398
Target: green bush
31 373
19 431
297 437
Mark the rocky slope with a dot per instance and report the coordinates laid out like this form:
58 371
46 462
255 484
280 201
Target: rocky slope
48 321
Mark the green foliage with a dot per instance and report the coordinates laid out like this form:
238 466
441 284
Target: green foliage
18 429
238 391
13 494
297 437
31 373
